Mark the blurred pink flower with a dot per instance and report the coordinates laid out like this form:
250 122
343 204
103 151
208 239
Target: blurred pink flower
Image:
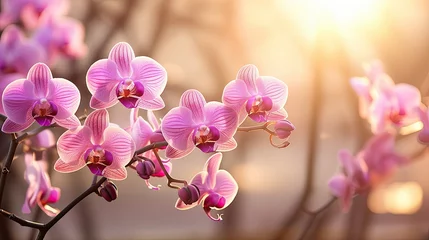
104 148
39 190
40 98
208 126
30 11
423 136
136 82
262 98
18 54
213 188
61 35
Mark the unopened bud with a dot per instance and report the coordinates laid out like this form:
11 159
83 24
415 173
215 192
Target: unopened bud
283 128
145 169
109 191
189 194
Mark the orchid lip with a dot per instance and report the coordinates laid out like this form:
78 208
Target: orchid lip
44 111
97 159
257 108
205 138
129 93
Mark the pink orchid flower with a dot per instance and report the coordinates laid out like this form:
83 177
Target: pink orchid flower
196 123
18 54
104 148
5 79
262 98
145 133
40 98
423 136
136 82
39 190
213 188
30 11
61 35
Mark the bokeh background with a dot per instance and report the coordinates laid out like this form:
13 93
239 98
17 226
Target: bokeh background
315 47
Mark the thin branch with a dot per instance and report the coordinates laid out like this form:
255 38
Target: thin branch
255 128
322 208
6 167
170 179
150 147
21 221
313 215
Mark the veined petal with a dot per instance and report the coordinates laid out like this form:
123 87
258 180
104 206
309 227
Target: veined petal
229 145
18 100
69 123
249 73
212 166
223 118
173 153
65 95
63 167
277 115
97 104
97 121
235 94
12 127
141 133
151 74
40 75
4 81
155 104
102 79
73 144
177 127
273 88
122 54
115 173
120 144
226 186
153 120
194 101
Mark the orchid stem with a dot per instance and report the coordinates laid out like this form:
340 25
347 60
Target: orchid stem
313 215
21 221
150 147
255 128
6 167
170 179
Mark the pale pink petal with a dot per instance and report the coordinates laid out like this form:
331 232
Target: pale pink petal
65 95
423 136
115 173
153 120
4 81
377 117
97 121
229 145
277 115
141 133
341 187
32 176
97 104
223 118
120 144
45 139
102 79
63 167
409 97
273 88
194 101
346 159
361 86
226 186
18 100
122 54
177 126
173 153
151 74
212 166
182 206
69 123
73 144
249 73
235 95
154 104
12 127
40 75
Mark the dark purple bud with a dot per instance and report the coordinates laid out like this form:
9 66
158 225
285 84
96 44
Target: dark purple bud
283 128
214 200
189 194
145 169
109 191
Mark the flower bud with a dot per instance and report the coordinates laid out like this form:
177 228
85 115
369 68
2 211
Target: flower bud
109 191
283 128
214 200
189 194
145 169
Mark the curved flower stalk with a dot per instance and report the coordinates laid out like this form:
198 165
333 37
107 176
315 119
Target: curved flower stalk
18 54
39 190
213 188
372 165
41 98
149 166
196 123
136 82
262 98
104 148
59 35
30 11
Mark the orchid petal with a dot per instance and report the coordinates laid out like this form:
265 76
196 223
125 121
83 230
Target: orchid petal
194 101
273 88
120 144
177 127
277 115
151 74
40 75
361 86
249 73
229 145
97 121
235 95
226 186
155 104
69 123
173 153
68 167
409 97
223 118
4 81
122 54
342 188
65 95
153 120
73 143
12 127
102 79
115 173
18 100
212 166
141 133
97 104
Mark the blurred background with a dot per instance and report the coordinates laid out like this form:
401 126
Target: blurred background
315 47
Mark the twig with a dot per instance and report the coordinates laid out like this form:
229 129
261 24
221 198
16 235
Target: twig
150 147
21 221
255 128
170 179
6 167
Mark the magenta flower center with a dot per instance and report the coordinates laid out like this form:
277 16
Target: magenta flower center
44 111
205 137
129 92
397 116
257 108
97 159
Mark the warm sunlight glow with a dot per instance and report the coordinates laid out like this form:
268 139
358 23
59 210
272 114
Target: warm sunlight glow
376 200
412 128
403 198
